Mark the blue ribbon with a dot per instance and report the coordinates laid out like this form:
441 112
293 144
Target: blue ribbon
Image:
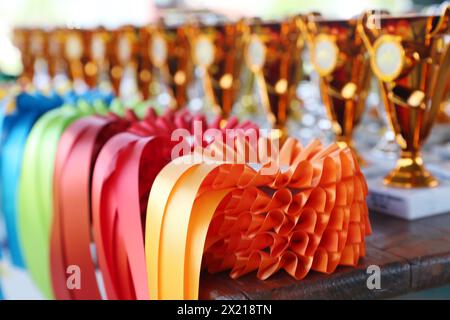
91 96
2 116
15 130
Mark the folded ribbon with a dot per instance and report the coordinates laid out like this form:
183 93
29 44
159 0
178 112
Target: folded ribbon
15 129
35 196
310 213
77 151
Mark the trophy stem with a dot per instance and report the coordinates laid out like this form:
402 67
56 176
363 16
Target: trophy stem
347 142
410 172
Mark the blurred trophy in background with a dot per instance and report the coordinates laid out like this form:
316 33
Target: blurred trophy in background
21 40
411 59
339 57
124 64
154 75
74 47
39 60
217 55
273 66
57 64
97 66
178 62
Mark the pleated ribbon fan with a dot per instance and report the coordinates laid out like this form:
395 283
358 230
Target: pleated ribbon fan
307 214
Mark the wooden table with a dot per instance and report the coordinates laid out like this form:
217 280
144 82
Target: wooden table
412 256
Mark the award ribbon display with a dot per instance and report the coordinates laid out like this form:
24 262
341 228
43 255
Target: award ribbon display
134 202
309 215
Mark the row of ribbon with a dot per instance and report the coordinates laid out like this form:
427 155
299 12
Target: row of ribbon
84 172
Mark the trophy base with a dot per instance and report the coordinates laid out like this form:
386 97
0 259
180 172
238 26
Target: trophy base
410 173
409 204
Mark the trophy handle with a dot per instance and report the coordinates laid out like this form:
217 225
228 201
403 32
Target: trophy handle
301 23
363 22
307 26
442 74
443 20
440 80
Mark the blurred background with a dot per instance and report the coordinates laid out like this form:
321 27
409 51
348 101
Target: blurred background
113 13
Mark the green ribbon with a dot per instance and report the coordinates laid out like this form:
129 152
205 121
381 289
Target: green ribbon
140 108
36 188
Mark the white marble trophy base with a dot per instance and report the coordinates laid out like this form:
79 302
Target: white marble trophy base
409 204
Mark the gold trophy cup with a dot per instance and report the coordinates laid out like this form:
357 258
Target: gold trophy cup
55 51
124 51
411 60
74 54
178 62
217 52
273 57
153 67
97 66
21 40
339 57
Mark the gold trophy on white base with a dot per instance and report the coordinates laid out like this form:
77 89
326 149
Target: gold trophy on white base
411 59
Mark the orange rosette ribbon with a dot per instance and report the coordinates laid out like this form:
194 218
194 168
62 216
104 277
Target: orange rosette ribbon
299 209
